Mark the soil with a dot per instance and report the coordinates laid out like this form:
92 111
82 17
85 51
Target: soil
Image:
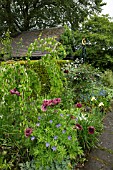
101 158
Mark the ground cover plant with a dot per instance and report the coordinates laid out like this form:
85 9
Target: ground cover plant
53 129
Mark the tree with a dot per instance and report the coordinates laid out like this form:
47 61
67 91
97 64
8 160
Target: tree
22 15
98 31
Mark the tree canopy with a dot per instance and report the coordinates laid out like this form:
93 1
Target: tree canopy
98 31
22 15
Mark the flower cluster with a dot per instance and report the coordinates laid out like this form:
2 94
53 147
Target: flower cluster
91 129
51 102
14 91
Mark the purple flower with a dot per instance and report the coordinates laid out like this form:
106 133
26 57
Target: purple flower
69 137
28 132
76 119
54 148
58 125
32 138
61 115
38 124
55 137
39 117
51 121
47 144
64 131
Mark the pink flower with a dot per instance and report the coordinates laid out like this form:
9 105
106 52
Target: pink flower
56 101
79 105
78 126
14 91
43 108
91 130
17 93
28 132
50 102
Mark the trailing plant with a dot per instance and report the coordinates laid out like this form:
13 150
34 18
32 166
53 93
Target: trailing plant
49 62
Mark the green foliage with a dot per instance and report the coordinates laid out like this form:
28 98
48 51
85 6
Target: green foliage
87 140
67 40
39 110
41 71
99 47
56 139
6 48
16 111
48 64
27 166
107 78
55 165
82 79
53 48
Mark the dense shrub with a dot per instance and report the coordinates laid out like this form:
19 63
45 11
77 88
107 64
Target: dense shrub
83 80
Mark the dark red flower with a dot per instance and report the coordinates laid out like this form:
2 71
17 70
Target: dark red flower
72 117
79 105
28 132
78 126
66 71
91 130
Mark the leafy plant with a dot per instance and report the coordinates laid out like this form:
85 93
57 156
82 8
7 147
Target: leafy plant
107 78
6 49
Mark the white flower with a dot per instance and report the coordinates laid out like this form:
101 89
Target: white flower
82 117
101 104
1 116
93 98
